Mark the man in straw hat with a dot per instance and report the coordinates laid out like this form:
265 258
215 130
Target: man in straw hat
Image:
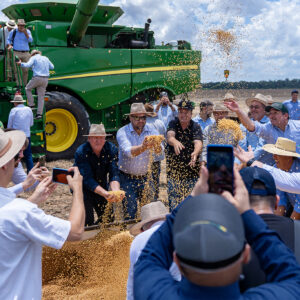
134 156
97 162
152 217
208 237
25 228
21 118
19 40
184 138
10 25
40 66
279 126
257 106
293 105
204 118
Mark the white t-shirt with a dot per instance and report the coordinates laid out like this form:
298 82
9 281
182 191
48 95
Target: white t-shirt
24 229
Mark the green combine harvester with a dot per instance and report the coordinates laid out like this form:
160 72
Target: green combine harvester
100 69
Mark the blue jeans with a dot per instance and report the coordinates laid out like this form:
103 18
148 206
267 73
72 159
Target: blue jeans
178 190
133 194
28 156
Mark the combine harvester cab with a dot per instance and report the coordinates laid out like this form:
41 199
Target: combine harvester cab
100 68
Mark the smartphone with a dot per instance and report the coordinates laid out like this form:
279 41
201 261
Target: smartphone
60 175
42 161
220 160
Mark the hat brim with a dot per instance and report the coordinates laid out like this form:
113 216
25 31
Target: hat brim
139 113
99 135
249 100
18 139
152 114
271 148
12 27
137 228
19 101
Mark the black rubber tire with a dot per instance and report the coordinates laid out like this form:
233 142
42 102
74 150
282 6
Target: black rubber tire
71 104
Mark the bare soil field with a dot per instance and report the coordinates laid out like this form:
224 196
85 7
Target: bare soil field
97 269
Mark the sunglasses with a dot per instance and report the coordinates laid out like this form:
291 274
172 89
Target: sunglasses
138 118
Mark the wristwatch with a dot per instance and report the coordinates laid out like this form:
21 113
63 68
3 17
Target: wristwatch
250 162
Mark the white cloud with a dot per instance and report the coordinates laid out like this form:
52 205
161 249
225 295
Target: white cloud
267 33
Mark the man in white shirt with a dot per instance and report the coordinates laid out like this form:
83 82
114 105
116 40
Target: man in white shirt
21 118
24 228
152 216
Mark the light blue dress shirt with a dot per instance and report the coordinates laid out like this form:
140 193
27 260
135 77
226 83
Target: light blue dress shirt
21 118
166 114
271 133
293 108
202 123
21 43
127 138
40 65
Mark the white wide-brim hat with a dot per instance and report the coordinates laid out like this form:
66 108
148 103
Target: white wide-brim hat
138 109
259 98
97 130
283 146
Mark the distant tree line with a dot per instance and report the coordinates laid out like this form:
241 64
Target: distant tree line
263 84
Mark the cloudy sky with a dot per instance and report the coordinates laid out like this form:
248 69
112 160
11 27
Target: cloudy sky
266 44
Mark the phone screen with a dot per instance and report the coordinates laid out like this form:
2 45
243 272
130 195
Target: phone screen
60 175
220 161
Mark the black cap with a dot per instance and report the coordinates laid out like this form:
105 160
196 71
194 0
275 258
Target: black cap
206 103
294 92
278 106
186 104
208 232
252 174
163 94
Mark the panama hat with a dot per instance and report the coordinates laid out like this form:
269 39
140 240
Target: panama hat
150 109
270 100
97 130
11 143
283 146
259 98
18 99
34 52
153 211
138 109
229 96
219 107
21 22
11 24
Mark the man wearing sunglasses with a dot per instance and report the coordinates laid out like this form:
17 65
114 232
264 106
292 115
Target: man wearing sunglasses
134 157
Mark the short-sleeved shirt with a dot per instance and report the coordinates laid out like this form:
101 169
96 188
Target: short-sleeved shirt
293 108
24 229
178 165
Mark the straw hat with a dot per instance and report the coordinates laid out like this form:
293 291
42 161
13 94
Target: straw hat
153 211
138 109
229 96
97 130
220 107
18 99
21 22
269 99
11 24
259 98
283 146
11 143
34 52
150 109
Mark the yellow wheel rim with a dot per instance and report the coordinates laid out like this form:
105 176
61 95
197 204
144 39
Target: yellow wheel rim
61 130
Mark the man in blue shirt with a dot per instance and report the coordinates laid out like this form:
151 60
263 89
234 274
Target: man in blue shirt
134 158
204 118
293 106
19 40
97 162
205 237
40 66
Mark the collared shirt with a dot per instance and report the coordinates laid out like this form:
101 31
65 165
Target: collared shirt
179 164
21 43
166 114
136 248
152 279
127 138
160 127
40 65
293 108
24 229
202 123
94 169
271 133
20 118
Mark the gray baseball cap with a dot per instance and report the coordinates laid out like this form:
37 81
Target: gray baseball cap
208 232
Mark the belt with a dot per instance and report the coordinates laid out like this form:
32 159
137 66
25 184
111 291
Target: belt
140 177
21 51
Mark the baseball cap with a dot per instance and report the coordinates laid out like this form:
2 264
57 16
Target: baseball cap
251 174
278 106
163 94
186 104
208 233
